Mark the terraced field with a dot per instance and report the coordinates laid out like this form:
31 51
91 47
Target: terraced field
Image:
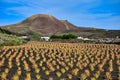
60 61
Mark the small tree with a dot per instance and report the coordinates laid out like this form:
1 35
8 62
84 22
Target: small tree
35 36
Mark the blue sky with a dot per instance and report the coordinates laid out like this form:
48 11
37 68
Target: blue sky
90 13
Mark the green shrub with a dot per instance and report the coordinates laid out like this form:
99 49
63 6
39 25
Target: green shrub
65 36
69 36
56 37
35 36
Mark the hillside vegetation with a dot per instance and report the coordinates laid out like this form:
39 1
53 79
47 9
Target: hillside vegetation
9 38
6 39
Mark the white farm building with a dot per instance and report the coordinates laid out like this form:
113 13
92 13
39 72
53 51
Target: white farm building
45 38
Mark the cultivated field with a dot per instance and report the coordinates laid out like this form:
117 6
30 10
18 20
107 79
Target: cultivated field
60 61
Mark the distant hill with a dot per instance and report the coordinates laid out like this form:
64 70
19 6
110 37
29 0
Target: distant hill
41 23
46 25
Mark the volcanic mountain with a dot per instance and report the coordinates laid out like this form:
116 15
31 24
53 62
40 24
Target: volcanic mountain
47 25
43 24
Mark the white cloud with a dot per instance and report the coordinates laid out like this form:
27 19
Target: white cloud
37 6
